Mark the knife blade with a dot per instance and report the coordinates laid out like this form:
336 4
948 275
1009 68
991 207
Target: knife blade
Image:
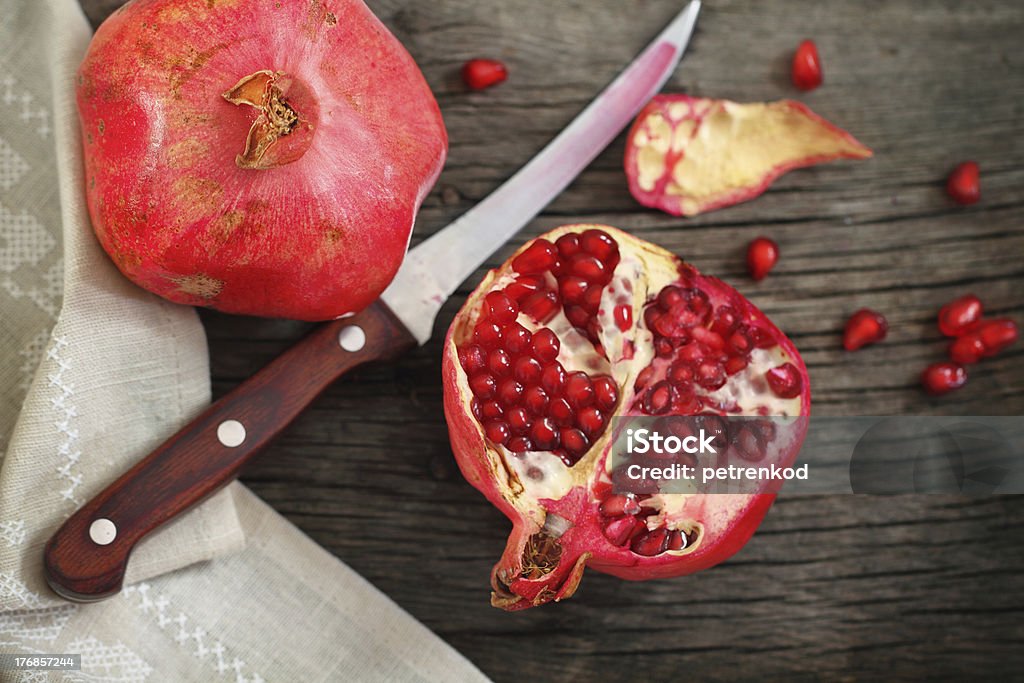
86 558
432 271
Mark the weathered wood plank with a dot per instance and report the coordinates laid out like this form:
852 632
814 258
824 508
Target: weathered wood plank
830 587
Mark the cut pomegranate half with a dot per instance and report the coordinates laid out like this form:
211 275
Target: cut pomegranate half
581 325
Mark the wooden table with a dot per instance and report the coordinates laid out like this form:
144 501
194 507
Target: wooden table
832 586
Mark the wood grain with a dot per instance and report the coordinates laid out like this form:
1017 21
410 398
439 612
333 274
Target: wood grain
831 587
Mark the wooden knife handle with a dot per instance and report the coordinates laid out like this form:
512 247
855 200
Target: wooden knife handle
85 560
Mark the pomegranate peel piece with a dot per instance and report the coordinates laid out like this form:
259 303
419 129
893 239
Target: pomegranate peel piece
687 155
553 479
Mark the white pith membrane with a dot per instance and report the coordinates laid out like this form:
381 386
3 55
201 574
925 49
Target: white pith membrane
526 479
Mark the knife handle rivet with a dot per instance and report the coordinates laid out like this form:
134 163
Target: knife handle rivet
352 338
102 531
231 433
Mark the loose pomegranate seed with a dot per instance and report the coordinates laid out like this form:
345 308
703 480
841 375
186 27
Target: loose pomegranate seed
473 359
519 444
527 370
606 393
600 244
987 339
941 378
967 349
591 421
619 529
499 363
545 345
518 420
623 317
574 442
806 66
544 434
537 258
487 334
553 378
863 328
541 305
650 544
619 504
784 381
480 74
497 432
536 400
561 412
578 390
996 335
960 315
516 338
963 184
762 254
568 244
500 308
483 386
510 392
492 410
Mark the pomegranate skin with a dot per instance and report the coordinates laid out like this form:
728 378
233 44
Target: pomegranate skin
189 205
689 155
725 522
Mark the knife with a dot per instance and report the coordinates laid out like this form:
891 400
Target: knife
85 560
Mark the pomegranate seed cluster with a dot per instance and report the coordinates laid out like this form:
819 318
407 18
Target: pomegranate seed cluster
582 324
523 396
704 345
974 339
624 522
624 517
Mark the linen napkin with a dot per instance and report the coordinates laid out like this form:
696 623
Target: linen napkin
94 373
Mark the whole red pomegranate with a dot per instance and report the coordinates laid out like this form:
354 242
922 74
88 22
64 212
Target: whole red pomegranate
264 157
582 324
